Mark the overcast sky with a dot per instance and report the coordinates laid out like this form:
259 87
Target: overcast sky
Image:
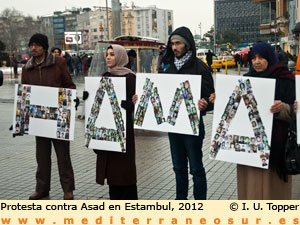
188 13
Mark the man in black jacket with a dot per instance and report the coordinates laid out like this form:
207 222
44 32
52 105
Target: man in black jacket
181 58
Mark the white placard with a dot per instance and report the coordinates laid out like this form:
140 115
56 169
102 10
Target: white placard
44 111
105 119
242 124
168 103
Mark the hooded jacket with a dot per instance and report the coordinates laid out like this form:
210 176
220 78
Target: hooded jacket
192 66
53 72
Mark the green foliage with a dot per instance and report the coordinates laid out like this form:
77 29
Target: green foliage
2 46
230 36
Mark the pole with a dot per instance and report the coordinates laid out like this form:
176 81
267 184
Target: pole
200 30
115 18
215 27
107 24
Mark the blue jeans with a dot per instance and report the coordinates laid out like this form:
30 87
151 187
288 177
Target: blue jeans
186 148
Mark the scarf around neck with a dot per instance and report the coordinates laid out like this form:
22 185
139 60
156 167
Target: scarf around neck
180 62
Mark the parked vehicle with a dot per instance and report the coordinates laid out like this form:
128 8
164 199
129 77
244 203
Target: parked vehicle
227 60
217 63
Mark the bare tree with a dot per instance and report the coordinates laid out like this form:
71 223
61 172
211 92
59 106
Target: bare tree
17 29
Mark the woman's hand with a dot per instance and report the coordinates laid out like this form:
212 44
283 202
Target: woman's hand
134 99
295 105
276 107
212 98
202 104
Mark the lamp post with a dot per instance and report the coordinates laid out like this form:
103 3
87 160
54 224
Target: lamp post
107 24
199 25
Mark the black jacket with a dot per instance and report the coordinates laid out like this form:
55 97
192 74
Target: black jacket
193 66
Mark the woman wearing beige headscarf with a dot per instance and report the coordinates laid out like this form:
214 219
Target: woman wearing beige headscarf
119 168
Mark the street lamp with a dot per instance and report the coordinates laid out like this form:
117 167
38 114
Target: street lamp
200 30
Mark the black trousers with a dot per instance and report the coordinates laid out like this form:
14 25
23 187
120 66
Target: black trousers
43 158
123 192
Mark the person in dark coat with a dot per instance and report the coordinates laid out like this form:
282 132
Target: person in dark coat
45 69
282 56
119 169
272 184
209 58
181 59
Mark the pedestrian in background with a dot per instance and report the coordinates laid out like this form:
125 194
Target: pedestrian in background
161 53
84 63
56 51
15 63
273 183
209 58
131 58
181 58
45 69
119 169
69 62
282 56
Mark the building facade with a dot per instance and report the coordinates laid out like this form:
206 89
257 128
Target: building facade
241 17
153 22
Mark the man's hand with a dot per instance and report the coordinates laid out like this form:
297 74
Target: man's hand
276 107
202 104
212 98
134 99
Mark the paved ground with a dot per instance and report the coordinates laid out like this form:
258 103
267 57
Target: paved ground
155 175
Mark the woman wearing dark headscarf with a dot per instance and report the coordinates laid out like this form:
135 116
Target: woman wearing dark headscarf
119 168
261 184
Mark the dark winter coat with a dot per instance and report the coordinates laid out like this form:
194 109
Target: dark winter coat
284 91
53 72
119 168
193 66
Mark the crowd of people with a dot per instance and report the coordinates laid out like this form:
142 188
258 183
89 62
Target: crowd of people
119 169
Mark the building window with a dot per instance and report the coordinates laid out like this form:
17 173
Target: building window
58 20
58 25
267 12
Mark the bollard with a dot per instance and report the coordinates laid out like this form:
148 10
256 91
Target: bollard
226 72
215 71
239 69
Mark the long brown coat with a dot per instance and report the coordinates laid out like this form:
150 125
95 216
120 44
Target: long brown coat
119 168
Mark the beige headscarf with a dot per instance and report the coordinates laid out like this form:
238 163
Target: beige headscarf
121 61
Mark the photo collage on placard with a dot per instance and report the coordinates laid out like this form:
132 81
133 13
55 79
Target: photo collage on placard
25 110
22 110
157 107
223 140
143 104
173 113
63 113
186 94
102 133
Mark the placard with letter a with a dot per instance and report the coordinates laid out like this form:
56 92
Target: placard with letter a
105 119
242 125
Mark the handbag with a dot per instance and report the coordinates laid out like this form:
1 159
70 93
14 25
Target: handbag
292 149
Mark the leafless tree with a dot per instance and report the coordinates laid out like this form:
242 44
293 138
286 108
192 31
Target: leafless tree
17 29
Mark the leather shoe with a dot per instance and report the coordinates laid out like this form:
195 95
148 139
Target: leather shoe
68 196
38 195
